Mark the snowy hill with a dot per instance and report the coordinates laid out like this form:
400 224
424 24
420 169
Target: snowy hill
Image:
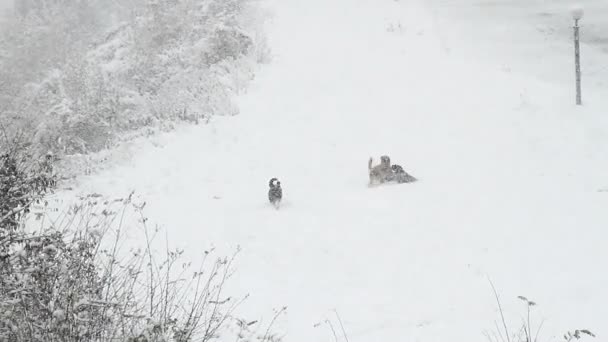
510 175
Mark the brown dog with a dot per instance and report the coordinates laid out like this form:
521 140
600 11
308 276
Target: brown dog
380 173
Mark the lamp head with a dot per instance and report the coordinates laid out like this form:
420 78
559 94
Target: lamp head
577 12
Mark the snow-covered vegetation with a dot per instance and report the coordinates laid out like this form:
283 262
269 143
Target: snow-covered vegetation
78 76
74 279
74 282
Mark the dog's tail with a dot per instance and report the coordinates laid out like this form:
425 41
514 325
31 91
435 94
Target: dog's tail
271 183
369 163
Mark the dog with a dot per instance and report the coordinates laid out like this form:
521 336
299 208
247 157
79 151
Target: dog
400 175
275 193
380 173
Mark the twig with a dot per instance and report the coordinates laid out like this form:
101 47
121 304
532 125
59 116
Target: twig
150 262
331 326
341 325
169 266
265 338
526 331
15 211
538 331
502 339
487 335
226 265
502 316
529 327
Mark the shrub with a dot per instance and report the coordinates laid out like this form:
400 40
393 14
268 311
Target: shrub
79 75
71 281
22 181
75 283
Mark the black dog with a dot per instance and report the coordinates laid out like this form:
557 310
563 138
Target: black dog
401 176
275 193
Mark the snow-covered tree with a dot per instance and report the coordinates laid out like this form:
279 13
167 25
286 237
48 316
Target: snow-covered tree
77 73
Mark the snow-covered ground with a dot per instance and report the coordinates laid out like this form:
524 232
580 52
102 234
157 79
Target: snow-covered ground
476 101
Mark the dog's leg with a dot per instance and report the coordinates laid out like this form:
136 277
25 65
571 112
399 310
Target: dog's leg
372 181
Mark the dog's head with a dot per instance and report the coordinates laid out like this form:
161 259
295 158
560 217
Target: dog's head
385 161
274 183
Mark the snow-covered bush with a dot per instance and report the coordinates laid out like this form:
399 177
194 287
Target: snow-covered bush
50 289
74 282
22 180
78 74
71 281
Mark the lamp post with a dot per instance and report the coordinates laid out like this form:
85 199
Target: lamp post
577 13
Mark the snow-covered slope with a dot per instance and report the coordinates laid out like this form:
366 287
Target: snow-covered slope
510 177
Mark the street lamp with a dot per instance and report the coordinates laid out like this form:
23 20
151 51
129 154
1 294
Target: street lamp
577 13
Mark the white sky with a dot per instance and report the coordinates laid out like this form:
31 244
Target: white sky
4 4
